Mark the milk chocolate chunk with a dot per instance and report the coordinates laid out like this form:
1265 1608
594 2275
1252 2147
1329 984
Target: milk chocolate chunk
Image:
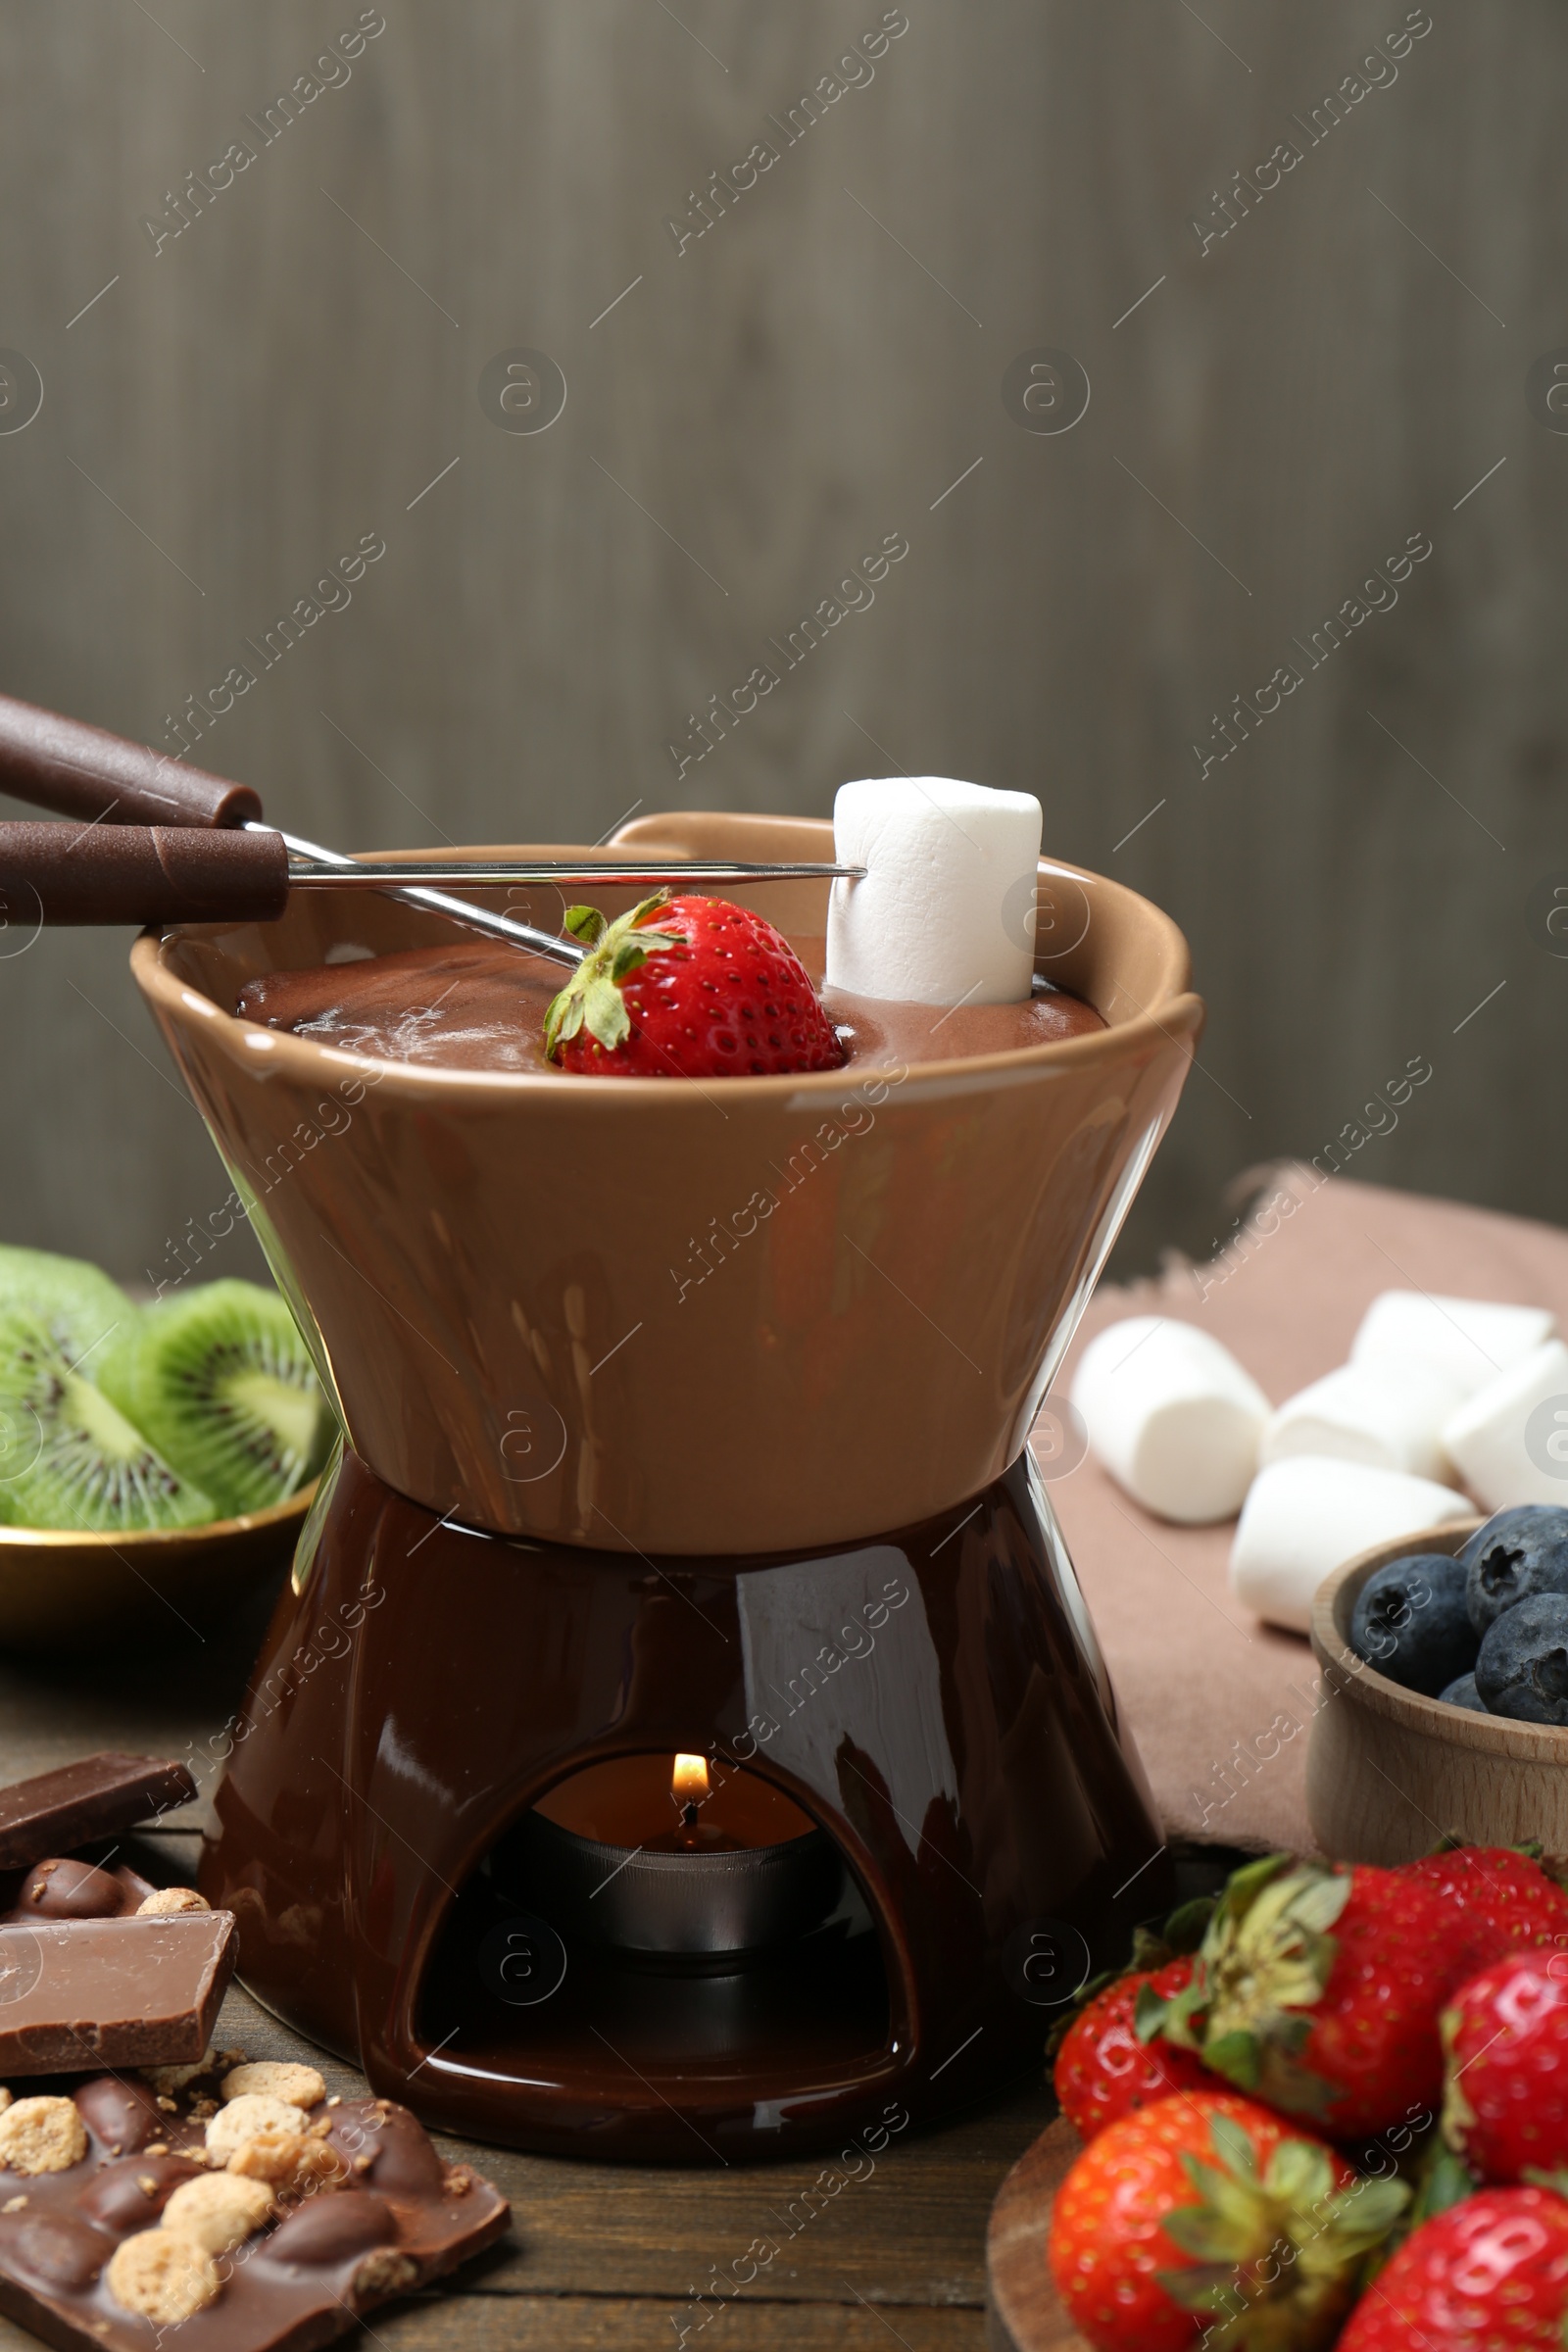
82 1992
105 2255
92 1799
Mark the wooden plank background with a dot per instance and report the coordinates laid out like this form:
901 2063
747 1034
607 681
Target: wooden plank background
1290 404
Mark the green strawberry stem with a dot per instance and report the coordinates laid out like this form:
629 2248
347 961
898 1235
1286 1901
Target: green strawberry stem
591 997
1265 1958
1278 2258
1182 1932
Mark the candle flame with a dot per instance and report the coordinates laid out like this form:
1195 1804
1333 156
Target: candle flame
689 1780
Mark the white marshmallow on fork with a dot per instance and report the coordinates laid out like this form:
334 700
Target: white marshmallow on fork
1389 1411
945 914
1471 1339
1172 1415
1307 1515
1490 1439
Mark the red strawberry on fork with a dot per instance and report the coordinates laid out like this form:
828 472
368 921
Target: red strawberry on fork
687 987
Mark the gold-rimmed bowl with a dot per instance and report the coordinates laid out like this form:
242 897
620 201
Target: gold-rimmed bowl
1389 1772
62 1589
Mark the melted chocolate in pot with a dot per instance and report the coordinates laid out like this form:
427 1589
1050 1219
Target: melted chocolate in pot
472 1007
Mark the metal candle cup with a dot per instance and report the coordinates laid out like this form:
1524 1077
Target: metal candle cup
647 1855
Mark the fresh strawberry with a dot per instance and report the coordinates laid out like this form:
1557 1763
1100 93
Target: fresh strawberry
1103 2070
1506 2090
1503 1902
1319 1990
1491 2275
687 987
1204 2210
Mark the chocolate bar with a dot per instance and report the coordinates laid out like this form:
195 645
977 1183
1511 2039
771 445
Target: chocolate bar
136 1991
93 1799
321 2210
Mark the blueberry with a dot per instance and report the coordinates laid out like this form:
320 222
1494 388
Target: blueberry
1464 1693
1523 1667
1410 1622
1516 1553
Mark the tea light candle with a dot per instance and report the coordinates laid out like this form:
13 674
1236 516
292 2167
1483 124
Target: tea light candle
654 1854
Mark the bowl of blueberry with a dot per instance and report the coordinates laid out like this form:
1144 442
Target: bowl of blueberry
1445 1691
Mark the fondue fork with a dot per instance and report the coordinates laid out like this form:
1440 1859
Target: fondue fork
312 866
177 845
309 866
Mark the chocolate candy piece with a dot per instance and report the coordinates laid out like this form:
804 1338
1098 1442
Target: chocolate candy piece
334 2229
85 1993
402 2161
292 2285
68 1888
125 2116
92 1799
130 2195
53 2250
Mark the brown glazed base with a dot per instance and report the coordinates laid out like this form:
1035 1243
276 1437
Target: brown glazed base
430 1682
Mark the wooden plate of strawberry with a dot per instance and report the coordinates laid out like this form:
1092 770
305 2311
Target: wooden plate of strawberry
1342 2119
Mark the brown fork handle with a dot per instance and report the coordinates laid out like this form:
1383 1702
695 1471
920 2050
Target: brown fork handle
87 773
139 874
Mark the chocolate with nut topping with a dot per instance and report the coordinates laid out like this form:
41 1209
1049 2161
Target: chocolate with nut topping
398 2218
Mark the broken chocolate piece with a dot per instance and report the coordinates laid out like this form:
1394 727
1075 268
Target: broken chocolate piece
93 1799
85 1993
298 2279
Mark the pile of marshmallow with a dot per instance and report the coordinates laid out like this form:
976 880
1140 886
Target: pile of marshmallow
1436 1391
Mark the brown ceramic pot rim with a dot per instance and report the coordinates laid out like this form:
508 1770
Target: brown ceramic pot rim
152 1538
1173 1016
1484 1735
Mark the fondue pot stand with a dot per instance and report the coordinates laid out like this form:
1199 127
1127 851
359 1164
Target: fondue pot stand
686 1435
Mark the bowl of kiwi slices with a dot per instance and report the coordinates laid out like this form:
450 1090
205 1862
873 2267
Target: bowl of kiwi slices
152 1457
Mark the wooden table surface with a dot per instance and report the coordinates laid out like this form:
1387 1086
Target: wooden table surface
599 2255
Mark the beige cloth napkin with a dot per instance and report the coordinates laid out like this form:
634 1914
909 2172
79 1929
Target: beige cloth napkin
1220 1706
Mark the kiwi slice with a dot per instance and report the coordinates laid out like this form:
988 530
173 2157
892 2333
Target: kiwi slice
69 1459
77 1303
223 1384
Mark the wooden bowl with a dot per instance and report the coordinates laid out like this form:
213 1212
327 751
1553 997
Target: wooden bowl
1389 1772
61 1591
1024 2311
